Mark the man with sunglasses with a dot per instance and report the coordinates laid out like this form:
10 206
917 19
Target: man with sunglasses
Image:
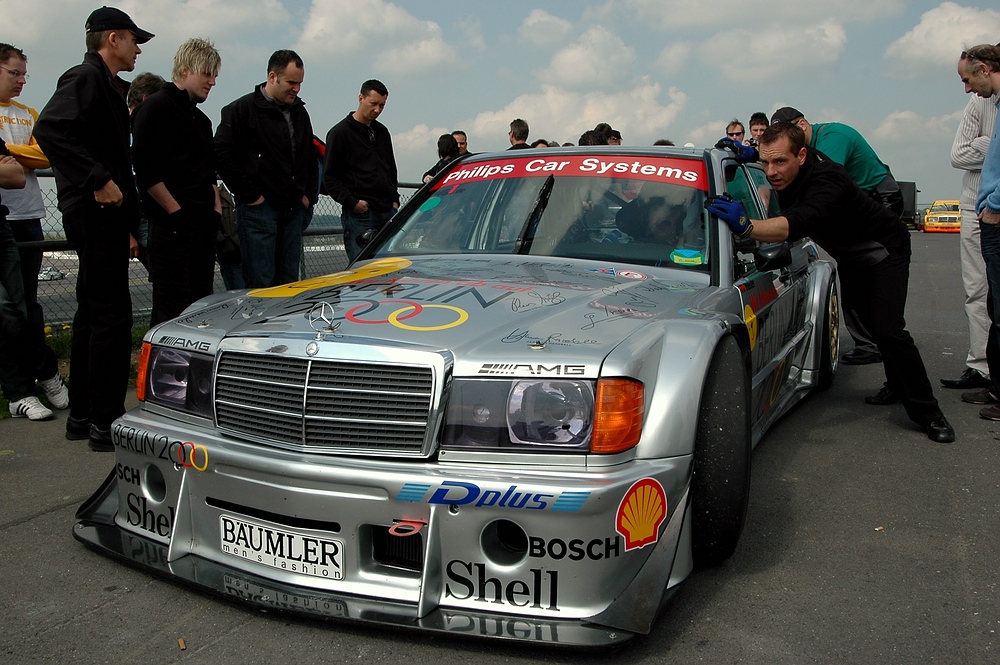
735 130
359 169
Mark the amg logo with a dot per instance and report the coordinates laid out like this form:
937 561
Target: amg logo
536 370
197 345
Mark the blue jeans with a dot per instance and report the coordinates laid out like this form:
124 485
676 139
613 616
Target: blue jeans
15 373
989 238
356 223
271 243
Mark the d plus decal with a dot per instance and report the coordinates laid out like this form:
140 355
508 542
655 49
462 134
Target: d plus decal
641 512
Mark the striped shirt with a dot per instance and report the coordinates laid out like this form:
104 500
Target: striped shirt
971 142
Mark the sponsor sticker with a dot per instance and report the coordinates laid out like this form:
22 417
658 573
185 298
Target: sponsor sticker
374 269
684 172
641 512
281 548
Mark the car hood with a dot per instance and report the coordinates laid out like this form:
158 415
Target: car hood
480 309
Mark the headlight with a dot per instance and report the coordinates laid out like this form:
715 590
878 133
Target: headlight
544 415
177 379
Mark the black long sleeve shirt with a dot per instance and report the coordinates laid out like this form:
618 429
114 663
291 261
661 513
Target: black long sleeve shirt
172 143
825 204
360 165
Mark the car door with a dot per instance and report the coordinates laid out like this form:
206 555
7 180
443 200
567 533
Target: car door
774 301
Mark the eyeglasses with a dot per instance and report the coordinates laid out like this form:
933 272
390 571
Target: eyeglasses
16 74
734 133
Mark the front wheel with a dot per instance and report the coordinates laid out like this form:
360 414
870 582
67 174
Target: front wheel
720 481
829 342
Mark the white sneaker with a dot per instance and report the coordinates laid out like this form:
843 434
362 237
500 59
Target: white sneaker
56 392
29 408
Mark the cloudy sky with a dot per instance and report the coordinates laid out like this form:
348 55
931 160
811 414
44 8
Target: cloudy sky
677 69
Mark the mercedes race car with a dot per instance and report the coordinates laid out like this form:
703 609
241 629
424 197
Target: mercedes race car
526 410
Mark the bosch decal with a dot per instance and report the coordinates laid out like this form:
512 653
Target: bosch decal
453 492
576 549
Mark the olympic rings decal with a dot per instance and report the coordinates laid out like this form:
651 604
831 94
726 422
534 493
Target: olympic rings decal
187 455
410 309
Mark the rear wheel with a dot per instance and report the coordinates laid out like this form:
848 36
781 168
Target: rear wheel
720 482
830 340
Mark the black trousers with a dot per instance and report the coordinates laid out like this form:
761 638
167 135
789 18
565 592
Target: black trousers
879 296
25 230
100 354
181 260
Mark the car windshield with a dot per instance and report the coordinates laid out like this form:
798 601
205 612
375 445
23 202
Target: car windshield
945 207
644 210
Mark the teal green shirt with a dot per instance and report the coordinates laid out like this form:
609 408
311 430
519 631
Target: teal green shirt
844 145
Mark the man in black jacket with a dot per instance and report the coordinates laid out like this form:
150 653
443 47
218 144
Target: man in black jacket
872 249
359 170
265 155
84 131
175 165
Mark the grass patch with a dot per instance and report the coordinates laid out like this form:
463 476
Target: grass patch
60 340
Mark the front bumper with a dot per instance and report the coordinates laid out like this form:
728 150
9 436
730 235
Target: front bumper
565 555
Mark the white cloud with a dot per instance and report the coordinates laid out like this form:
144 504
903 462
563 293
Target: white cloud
674 57
541 27
942 34
400 42
681 14
777 50
597 59
907 125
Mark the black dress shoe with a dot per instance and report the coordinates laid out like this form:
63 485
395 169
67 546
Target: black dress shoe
883 397
940 430
970 379
77 429
861 357
100 440
983 396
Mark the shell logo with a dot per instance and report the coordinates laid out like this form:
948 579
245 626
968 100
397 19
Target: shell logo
641 513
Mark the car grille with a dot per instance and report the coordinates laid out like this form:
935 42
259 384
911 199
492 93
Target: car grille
339 406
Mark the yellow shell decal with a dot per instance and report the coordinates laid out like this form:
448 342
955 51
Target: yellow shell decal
374 269
641 513
751 318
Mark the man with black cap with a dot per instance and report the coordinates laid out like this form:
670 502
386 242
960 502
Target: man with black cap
84 131
872 249
844 145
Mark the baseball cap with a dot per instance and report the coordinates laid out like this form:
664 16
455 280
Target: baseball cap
112 18
786 114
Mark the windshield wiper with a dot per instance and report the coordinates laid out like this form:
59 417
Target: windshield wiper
523 244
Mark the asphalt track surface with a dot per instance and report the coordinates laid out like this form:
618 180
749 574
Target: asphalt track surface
865 543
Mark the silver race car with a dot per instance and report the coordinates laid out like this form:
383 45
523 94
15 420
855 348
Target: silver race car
526 411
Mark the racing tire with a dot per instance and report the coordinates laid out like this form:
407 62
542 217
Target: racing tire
720 480
829 342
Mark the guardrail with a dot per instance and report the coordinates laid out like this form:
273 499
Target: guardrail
322 253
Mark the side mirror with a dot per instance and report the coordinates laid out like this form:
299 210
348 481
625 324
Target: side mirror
773 256
366 237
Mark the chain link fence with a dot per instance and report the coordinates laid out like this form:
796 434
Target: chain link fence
322 253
